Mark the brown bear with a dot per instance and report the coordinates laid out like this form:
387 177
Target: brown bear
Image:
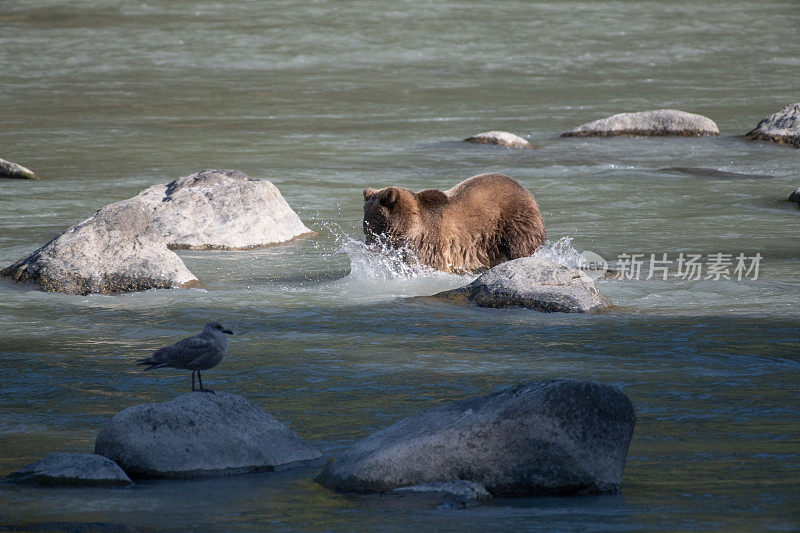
481 222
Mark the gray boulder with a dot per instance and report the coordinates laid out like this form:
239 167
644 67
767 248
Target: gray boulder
657 122
115 250
534 283
555 437
502 138
198 435
221 209
782 127
15 171
71 469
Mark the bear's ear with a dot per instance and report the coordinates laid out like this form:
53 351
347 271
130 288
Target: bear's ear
368 192
389 197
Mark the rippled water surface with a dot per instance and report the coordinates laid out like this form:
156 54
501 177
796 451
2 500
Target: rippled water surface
105 98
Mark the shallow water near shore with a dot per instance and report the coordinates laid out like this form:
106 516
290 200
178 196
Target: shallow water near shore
103 99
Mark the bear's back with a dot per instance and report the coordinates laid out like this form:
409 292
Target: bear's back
493 191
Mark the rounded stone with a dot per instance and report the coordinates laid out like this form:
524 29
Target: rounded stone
199 435
71 469
554 437
501 138
657 122
532 283
221 209
15 171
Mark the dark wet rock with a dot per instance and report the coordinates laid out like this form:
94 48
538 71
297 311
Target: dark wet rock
71 469
502 138
658 122
782 127
533 283
713 173
221 209
795 196
115 250
15 171
199 434
556 437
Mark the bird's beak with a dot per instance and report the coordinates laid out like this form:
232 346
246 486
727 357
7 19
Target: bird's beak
227 331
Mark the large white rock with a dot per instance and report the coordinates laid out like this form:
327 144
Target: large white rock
502 138
115 250
782 127
555 437
534 283
223 209
648 123
71 469
200 434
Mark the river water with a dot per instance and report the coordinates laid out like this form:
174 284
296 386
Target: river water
323 98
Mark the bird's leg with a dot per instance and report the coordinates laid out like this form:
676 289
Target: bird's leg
201 384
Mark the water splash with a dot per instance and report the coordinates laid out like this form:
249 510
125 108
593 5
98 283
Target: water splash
383 261
560 251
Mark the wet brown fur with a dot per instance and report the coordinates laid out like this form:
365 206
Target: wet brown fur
481 222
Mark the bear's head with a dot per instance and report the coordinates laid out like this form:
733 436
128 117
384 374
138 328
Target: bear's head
392 214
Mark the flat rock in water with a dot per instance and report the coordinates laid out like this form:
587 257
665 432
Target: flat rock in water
221 209
533 283
782 127
15 171
198 435
657 122
114 251
554 437
502 138
71 469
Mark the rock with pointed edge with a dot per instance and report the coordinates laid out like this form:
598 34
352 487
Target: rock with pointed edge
113 251
782 127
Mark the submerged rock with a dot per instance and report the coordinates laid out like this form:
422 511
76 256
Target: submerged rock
533 283
657 122
71 469
15 171
554 437
223 209
502 138
197 435
460 490
113 251
782 127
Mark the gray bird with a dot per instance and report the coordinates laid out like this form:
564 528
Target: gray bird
197 353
